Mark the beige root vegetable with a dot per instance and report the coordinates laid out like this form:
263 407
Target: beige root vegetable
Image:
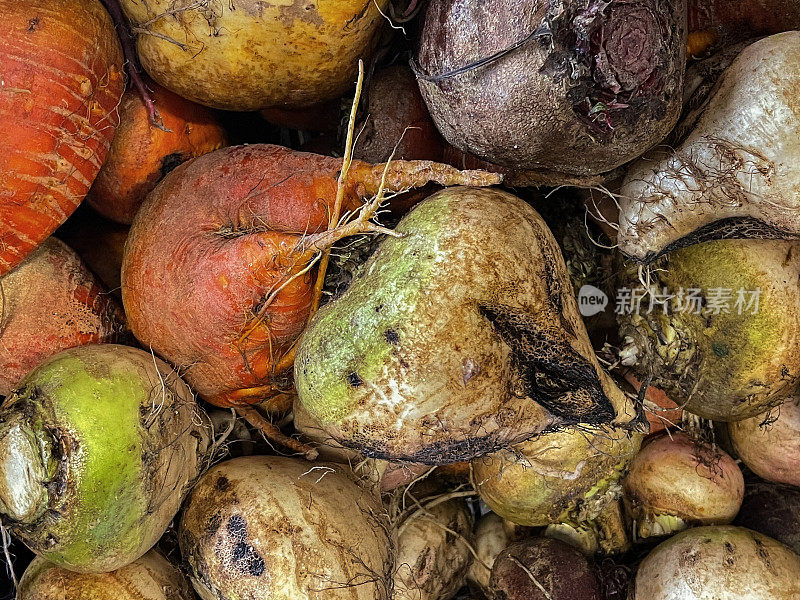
492 535
675 482
457 339
265 527
719 563
247 55
769 443
569 477
723 336
151 577
735 175
433 554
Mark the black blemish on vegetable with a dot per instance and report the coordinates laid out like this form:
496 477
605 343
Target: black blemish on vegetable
354 380
391 336
720 349
170 161
33 24
247 561
237 528
378 308
223 484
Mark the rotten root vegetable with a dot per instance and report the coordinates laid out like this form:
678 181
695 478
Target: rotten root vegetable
151 577
735 175
773 510
769 443
98 447
244 55
217 275
578 87
723 336
62 79
719 563
543 569
675 482
48 303
264 527
570 478
143 154
458 338
433 553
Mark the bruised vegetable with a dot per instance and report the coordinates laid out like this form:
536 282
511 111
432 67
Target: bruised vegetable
62 79
98 447
151 577
543 569
457 339
570 477
719 563
49 303
735 175
773 510
265 527
722 338
432 555
579 87
216 275
769 443
142 153
675 482
246 55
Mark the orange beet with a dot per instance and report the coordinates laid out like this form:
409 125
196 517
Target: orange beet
141 154
61 80
212 277
49 303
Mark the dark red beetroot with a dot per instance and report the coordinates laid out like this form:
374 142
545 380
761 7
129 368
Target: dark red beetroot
579 87
773 510
214 275
48 303
733 21
543 569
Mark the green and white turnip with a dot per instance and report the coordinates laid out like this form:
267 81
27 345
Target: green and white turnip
265 527
579 87
98 447
734 175
719 331
457 339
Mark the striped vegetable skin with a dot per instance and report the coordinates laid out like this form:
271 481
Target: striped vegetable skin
62 78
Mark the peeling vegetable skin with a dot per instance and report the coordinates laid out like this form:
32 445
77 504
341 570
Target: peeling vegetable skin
61 66
98 447
735 175
265 527
769 443
569 476
726 366
543 569
218 236
49 303
586 86
151 577
457 339
432 554
246 55
675 482
719 563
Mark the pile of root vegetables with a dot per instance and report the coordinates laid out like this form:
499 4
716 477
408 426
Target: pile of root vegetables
400 300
